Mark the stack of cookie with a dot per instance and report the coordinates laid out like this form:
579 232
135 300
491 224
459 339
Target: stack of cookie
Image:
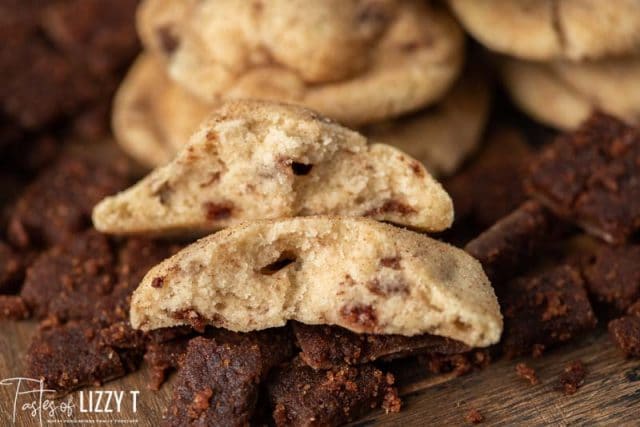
563 58
374 65
290 190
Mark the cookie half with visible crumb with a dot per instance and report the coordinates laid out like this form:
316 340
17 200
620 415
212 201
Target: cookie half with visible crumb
382 280
152 116
445 134
257 160
372 60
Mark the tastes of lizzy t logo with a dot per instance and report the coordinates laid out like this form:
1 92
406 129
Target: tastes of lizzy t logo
30 397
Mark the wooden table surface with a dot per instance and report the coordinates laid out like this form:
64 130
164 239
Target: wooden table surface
610 396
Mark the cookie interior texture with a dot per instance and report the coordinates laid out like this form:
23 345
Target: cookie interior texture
257 160
371 61
381 279
553 29
563 94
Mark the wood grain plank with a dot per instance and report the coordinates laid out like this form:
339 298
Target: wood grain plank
610 396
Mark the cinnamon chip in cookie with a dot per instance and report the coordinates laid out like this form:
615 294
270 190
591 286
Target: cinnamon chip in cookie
257 160
355 273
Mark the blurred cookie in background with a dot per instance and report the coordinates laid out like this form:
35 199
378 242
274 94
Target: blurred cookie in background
553 29
153 117
444 135
563 94
373 59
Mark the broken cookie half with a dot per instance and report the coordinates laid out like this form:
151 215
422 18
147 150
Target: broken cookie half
259 160
356 273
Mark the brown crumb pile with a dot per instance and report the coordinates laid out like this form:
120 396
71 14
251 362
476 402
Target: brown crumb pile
572 378
526 372
474 416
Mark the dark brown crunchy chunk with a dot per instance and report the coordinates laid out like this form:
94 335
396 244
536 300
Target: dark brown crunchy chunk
66 281
474 416
572 377
326 346
612 275
58 204
163 357
625 333
12 307
61 55
492 186
508 246
302 396
527 373
592 176
218 380
544 308
71 356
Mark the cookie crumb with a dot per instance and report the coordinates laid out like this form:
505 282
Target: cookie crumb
474 416
526 372
572 378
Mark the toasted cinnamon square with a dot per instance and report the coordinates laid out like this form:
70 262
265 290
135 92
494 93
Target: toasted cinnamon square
57 205
592 177
612 275
71 356
66 281
300 395
544 308
508 245
219 378
326 346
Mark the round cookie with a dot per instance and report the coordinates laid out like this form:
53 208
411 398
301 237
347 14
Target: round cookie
562 94
536 89
612 85
553 29
152 116
442 136
357 62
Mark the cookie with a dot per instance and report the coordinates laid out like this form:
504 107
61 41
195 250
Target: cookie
553 29
382 280
563 94
371 61
255 160
611 85
538 91
152 116
445 134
